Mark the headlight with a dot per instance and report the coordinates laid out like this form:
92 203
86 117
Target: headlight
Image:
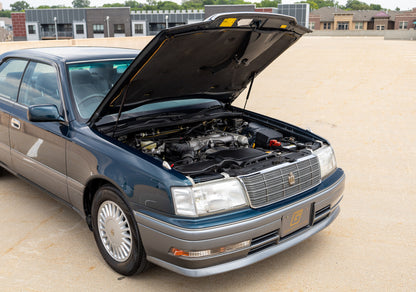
208 198
326 159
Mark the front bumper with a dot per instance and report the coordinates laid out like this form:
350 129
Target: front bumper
263 231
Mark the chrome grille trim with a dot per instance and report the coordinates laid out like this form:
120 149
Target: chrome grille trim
271 185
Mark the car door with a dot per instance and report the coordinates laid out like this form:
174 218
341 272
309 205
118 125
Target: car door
38 148
11 71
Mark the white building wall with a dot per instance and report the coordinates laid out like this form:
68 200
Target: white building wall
143 23
34 35
79 35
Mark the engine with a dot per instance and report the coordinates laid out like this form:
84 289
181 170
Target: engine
225 145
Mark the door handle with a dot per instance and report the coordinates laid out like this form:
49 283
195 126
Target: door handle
15 123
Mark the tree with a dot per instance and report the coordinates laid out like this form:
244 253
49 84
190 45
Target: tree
356 5
268 3
5 13
20 6
168 5
52 7
81 3
208 2
114 5
312 4
324 3
397 8
193 4
133 4
375 7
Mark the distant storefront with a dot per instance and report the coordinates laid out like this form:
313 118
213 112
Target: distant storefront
333 18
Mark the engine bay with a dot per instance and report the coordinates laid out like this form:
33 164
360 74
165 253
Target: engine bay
216 147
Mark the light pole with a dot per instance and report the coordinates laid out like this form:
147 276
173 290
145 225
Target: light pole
107 19
56 28
166 18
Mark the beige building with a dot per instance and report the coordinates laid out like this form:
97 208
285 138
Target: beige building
332 18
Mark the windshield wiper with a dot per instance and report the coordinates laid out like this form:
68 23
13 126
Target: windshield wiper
164 116
208 109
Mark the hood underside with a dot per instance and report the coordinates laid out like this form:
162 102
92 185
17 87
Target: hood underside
216 59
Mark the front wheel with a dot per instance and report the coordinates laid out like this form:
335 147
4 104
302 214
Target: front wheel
116 233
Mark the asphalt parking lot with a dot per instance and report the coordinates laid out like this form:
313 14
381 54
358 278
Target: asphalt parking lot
360 94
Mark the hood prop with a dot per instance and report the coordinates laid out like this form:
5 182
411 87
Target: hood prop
249 89
121 108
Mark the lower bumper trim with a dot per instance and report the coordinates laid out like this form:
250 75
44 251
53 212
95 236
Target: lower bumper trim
250 259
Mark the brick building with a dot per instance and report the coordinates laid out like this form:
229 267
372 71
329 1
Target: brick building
333 18
19 26
406 20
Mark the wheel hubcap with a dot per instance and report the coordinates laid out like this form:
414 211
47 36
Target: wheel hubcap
114 230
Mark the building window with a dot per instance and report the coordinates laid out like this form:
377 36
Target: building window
79 28
312 25
403 25
31 29
118 28
359 25
156 27
138 28
98 28
342 26
380 27
327 25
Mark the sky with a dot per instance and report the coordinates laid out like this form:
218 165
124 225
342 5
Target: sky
403 4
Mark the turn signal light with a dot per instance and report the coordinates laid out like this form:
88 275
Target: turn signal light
208 252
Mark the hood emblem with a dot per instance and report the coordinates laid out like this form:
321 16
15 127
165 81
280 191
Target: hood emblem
291 179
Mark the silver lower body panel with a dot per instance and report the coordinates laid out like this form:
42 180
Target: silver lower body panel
265 233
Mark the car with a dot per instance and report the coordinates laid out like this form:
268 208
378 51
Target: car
148 148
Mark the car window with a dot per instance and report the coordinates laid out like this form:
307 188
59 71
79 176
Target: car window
11 72
90 82
40 86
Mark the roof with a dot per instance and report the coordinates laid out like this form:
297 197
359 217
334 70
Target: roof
364 15
326 13
75 54
393 14
381 14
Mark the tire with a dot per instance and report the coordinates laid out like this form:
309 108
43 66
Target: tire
119 243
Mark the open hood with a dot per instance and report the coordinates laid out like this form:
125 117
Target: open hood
215 59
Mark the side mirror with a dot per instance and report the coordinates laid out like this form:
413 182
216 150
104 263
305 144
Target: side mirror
44 113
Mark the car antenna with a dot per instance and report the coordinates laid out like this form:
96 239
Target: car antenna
121 108
249 89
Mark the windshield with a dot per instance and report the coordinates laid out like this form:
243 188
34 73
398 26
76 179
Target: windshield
90 82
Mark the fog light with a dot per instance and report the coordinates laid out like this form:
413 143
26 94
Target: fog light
208 252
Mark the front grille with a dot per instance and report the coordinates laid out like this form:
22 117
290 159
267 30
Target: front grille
272 185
